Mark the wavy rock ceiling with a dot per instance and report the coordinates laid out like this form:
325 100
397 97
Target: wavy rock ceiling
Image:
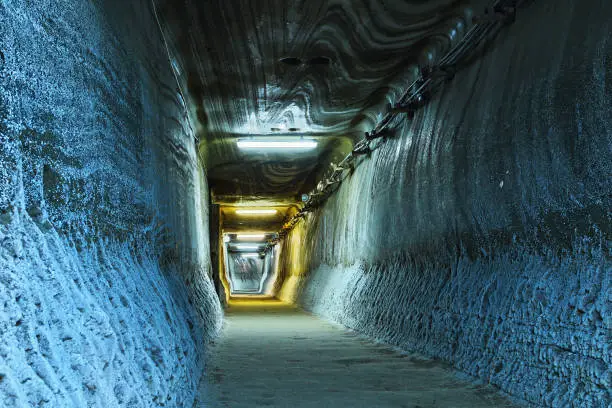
312 67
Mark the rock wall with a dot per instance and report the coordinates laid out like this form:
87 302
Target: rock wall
481 232
104 258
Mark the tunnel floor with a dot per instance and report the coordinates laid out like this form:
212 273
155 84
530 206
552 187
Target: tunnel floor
273 355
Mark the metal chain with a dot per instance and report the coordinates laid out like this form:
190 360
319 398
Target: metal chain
416 96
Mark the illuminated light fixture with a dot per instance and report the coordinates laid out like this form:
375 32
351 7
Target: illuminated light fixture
246 246
304 144
256 212
251 236
226 238
250 255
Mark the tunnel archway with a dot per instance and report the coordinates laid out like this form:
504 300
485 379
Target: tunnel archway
198 200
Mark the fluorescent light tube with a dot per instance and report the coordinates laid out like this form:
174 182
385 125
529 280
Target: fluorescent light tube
277 144
246 246
256 212
251 236
250 255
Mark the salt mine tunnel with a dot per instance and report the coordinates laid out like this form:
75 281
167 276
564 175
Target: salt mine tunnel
305 203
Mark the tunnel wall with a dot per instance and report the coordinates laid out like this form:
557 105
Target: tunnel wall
480 233
104 260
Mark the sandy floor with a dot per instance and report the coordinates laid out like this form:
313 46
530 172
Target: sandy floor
273 355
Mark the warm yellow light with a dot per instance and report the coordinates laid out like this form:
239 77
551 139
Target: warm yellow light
256 212
251 236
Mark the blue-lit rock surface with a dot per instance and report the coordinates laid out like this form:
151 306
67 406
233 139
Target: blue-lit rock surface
480 233
105 298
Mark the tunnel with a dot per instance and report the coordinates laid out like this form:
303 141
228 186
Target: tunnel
322 203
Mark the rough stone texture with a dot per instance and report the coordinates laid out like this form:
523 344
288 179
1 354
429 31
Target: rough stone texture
271 354
344 56
104 289
480 234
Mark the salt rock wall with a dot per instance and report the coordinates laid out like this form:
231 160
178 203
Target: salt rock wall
480 233
104 289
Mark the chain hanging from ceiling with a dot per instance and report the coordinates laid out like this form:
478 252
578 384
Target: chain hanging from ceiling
417 95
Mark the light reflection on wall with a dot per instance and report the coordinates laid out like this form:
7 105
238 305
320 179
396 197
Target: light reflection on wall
295 262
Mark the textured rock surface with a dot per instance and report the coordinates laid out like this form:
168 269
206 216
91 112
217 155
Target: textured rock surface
480 234
322 68
273 355
104 289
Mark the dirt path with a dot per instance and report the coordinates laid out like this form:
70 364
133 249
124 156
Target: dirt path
274 355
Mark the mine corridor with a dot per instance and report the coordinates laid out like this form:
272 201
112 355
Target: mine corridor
305 203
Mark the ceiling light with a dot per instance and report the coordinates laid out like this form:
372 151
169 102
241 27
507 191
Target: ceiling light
304 144
251 236
250 255
256 212
245 246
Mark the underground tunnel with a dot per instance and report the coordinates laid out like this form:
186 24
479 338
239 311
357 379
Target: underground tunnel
347 203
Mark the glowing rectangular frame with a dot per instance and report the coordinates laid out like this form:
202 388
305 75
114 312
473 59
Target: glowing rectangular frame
256 212
306 144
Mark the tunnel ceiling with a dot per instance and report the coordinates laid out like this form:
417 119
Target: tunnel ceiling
232 222
322 69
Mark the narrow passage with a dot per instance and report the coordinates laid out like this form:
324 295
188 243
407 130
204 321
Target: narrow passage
274 355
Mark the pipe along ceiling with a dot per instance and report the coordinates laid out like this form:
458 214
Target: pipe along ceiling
432 174
284 91
298 70
318 73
